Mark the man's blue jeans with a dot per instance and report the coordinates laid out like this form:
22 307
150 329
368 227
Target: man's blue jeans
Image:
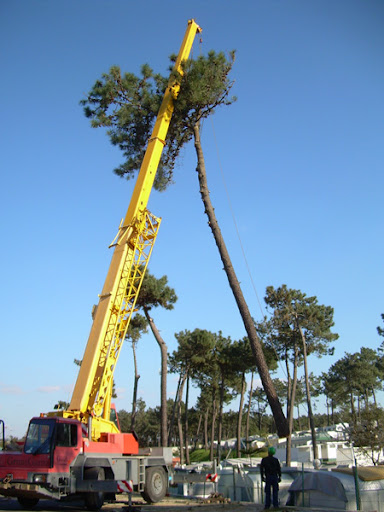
271 481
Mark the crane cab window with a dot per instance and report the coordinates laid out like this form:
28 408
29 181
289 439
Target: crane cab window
39 436
66 434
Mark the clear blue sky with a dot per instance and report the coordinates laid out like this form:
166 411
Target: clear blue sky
300 153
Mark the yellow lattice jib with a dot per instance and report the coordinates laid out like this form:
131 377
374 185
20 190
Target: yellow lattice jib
132 275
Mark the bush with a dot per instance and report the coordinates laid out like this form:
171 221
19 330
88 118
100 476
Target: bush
199 455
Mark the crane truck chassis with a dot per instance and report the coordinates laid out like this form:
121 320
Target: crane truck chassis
59 462
81 452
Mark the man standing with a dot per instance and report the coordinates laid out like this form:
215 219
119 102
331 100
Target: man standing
270 471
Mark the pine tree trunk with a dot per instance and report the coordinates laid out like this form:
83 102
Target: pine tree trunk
213 425
249 412
290 405
186 424
206 414
198 431
240 415
353 412
374 396
170 430
280 420
135 385
308 393
298 417
289 384
163 385
179 422
220 422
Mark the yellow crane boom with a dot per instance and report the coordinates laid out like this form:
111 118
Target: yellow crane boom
133 247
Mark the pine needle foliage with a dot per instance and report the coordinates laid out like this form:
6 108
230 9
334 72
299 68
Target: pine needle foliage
127 106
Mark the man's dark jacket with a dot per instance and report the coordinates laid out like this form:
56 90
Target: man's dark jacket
270 466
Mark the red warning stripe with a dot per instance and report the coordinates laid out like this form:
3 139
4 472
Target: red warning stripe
124 486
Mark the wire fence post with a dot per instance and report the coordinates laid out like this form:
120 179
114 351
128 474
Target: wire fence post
234 483
357 490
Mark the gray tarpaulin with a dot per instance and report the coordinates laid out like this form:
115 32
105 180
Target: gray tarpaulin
322 482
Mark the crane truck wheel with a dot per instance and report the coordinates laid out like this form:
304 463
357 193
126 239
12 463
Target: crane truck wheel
156 484
94 500
27 503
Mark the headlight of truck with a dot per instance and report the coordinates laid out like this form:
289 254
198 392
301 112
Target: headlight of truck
40 478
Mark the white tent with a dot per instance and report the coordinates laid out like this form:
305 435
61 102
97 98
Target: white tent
338 489
318 489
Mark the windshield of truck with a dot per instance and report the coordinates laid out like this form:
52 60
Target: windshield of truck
39 436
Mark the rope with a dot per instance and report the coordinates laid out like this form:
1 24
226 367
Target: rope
235 223
241 244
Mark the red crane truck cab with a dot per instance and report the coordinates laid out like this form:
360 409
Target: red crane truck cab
59 461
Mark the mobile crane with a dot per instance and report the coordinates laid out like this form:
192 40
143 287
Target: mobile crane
81 451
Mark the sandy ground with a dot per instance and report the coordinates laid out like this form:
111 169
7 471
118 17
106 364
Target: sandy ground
184 505
138 505
180 504
171 504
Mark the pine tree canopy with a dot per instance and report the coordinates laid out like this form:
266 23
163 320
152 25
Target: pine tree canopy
127 105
